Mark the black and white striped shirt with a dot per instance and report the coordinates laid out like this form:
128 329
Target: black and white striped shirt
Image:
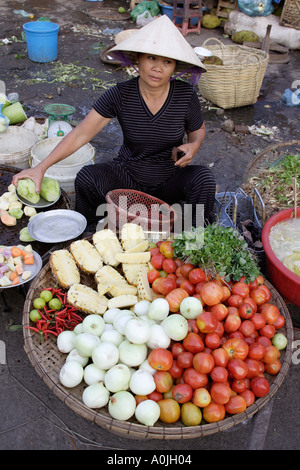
148 139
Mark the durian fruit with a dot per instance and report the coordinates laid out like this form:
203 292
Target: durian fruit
210 21
244 36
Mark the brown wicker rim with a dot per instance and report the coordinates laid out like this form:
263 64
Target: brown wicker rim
47 361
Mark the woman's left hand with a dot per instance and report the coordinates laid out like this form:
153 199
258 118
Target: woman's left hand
190 149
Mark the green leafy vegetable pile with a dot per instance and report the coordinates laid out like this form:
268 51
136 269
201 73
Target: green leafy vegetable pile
217 250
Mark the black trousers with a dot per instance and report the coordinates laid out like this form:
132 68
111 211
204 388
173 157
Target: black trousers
193 184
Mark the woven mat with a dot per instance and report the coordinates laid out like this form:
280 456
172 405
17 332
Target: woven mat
47 362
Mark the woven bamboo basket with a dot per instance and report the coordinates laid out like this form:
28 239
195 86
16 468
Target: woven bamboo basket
290 15
238 81
47 362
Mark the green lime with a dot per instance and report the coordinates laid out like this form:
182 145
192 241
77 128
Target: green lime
121 10
46 295
39 303
34 315
55 304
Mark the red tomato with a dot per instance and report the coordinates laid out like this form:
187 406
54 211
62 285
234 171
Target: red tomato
237 368
279 323
256 351
264 341
253 367
201 397
236 348
247 328
198 286
165 285
152 275
258 320
259 386
155 396
140 398
207 322
163 381
169 266
175 297
268 331
219 331
271 354
220 393
219 374
185 269
175 371
211 293
238 385
176 349
160 359
166 248
258 295
236 334
203 362
235 300
236 404
185 359
221 357
274 367
193 343
179 280
270 312
157 261
220 311
156 283
226 293
240 288
212 340
248 396
188 286
196 275
194 378
182 393
267 292
246 311
232 323
213 412
172 276
192 325
154 251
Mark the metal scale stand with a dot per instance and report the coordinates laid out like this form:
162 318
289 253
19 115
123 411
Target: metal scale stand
59 124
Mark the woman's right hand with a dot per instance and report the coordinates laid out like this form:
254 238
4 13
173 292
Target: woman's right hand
35 174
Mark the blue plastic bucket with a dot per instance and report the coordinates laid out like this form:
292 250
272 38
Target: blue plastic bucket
41 38
168 10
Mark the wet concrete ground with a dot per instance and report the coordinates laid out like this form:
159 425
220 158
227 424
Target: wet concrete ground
32 417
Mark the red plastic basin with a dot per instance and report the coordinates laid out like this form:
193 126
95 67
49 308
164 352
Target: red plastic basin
285 281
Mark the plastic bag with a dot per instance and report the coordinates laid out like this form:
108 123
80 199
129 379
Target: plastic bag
144 18
291 98
151 6
256 7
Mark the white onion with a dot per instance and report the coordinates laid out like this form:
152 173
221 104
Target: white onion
146 366
117 378
132 354
142 382
71 374
78 329
175 326
105 355
137 330
92 374
158 338
191 307
122 405
95 395
65 341
85 343
121 320
147 412
159 309
108 326
93 324
109 315
75 356
112 336
141 308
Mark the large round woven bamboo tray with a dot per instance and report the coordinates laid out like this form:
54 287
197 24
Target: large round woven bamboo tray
47 362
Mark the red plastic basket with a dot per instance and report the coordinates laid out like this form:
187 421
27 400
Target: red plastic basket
127 205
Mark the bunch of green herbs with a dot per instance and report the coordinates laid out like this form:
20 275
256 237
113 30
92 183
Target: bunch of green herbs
218 250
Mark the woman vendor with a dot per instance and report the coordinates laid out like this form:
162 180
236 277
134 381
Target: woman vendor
158 114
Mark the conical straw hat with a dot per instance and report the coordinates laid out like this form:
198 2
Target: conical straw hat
160 37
